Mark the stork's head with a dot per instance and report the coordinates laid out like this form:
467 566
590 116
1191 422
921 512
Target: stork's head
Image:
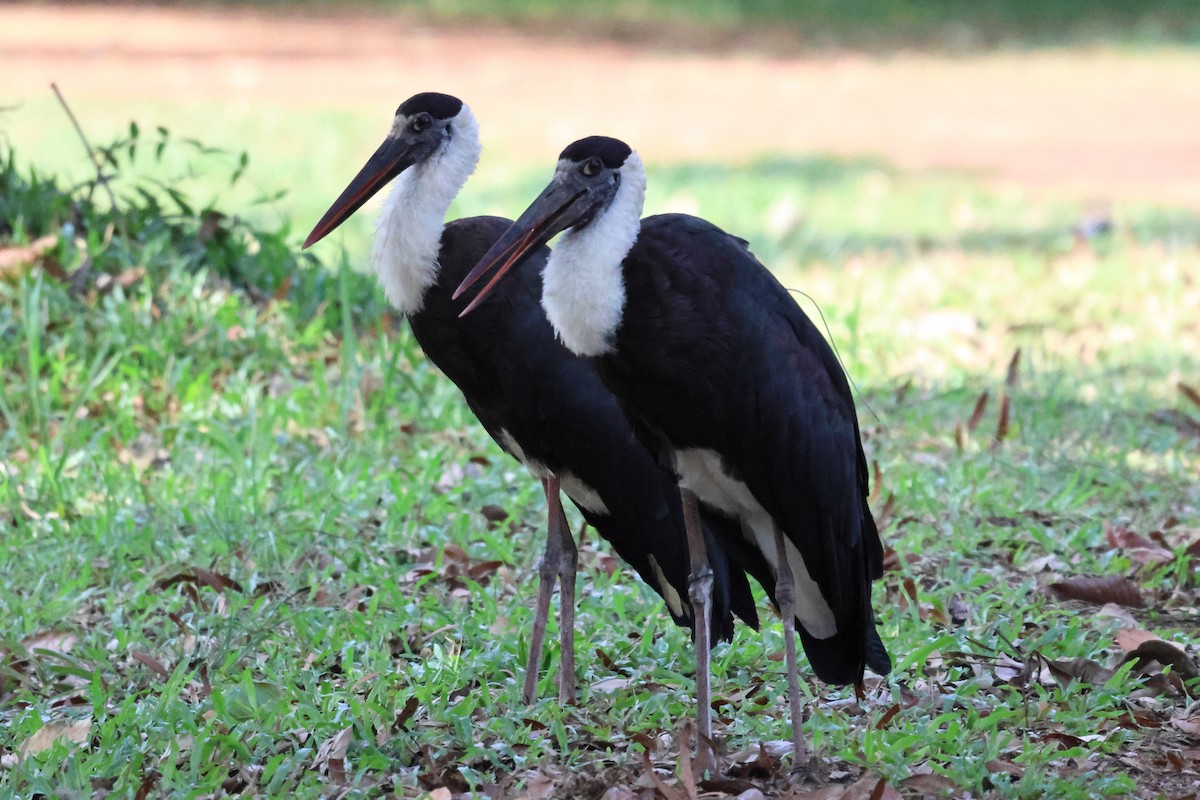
586 187
427 127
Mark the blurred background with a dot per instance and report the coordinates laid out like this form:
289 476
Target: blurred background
1092 101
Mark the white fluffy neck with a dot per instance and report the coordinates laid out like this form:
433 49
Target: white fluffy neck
409 231
583 289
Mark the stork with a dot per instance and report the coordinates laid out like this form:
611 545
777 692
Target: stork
542 404
730 383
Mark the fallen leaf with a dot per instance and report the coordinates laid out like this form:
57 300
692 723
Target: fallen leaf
1190 726
539 785
668 792
331 757
52 641
930 785
608 685
1005 767
1080 669
1129 639
1166 654
1137 547
1099 590
11 258
150 661
45 737
887 717
130 276
494 515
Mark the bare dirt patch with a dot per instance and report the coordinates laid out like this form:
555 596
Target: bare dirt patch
1105 124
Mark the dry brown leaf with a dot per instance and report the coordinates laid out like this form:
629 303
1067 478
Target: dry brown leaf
1079 669
1129 639
13 258
494 515
607 685
45 737
1190 726
1099 590
1005 767
539 786
52 641
668 792
331 757
884 791
887 717
930 785
440 793
1167 654
407 712
153 663
130 276
688 769
1137 547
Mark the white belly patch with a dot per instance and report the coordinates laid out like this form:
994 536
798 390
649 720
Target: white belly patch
536 468
583 495
700 471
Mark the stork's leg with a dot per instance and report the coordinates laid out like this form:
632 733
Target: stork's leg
568 565
547 573
803 762
700 584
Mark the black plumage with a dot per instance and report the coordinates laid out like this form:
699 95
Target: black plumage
517 377
541 403
713 353
729 383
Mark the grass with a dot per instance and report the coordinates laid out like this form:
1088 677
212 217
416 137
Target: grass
244 518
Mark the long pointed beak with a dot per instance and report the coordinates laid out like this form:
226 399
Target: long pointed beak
545 217
393 157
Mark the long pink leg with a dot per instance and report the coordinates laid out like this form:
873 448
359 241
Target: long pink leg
547 573
803 761
568 565
700 583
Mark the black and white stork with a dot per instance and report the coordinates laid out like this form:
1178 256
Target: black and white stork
729 382
542 404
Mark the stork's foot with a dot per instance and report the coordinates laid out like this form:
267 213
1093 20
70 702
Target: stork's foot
805 769
706 761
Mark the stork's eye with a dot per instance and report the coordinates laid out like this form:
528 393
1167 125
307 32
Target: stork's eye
420 122
591 167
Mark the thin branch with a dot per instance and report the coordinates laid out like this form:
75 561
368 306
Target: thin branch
100 178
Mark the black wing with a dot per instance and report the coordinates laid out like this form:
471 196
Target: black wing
517 378
736 367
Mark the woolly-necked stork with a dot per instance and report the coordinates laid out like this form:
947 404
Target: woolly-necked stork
542 404
729 382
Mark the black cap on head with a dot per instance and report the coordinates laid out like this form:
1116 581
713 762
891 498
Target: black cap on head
436 105
612 152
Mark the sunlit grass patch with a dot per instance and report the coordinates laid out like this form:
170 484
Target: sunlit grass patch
246 550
